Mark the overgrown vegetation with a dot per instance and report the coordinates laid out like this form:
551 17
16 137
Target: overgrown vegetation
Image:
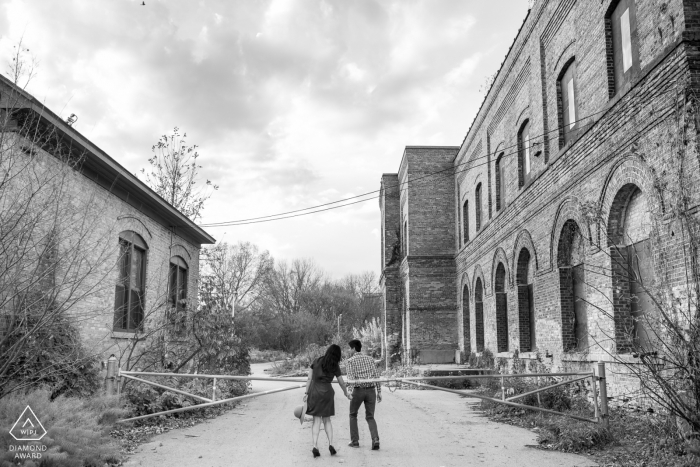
78 430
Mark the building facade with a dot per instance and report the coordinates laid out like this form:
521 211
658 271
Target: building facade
514 240
106 250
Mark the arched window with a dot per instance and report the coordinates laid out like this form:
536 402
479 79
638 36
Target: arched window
466 328
479 315
465 220
572 288
567 85
500 183
629 226
526 305
524 154
501 309
177 290
131 283
477 202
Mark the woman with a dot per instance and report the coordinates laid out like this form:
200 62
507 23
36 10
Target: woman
319 395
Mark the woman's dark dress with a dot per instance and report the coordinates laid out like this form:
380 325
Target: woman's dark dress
321 399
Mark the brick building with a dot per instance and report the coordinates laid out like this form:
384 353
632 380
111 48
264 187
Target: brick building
509 241
111 252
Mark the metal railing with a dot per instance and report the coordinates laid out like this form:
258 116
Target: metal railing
597 381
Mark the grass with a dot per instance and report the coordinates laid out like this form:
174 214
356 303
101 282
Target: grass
78 430
632 439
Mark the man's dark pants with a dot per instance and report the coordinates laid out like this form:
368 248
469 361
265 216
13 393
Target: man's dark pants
369 397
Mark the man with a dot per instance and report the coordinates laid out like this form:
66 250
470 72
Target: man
360 366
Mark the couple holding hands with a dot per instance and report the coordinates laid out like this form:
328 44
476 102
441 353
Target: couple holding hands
319 394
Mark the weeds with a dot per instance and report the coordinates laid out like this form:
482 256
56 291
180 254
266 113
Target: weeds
77 429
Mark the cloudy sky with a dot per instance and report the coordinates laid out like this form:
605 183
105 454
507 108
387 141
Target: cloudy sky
293 103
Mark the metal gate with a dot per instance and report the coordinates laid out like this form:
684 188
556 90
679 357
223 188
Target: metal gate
597 380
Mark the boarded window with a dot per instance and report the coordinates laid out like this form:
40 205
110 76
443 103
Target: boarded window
500 183
568 104
130 287
466 328
477 202
524 153
465 217
625 55
479 315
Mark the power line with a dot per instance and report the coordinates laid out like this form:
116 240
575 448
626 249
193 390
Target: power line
501 150
314 209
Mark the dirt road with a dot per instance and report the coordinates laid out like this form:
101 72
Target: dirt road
417 428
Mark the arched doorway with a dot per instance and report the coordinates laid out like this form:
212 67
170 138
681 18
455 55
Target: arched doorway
466 329
501 309
629 226
526 305
479 314
572 288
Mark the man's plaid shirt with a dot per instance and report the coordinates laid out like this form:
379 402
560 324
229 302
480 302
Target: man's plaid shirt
361 366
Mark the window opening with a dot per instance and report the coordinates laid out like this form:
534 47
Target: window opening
465 219
524 153
477 201
526 308
130 287
500 183
501 309
466 328
479 315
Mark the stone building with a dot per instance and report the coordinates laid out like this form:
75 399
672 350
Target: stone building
111 252
514 240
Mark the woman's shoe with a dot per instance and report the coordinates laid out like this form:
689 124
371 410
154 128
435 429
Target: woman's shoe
332 450
316 453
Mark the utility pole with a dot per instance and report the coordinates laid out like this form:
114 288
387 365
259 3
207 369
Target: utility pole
339 325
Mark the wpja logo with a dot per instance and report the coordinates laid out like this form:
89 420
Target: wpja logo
28 428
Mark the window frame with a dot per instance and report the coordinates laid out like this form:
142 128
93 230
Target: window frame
500 185
465 220
178 282
177 269
618 76
525 153
568 129
477 206
129 242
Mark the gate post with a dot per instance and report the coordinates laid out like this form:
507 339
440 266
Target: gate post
111 375
603 391
213 391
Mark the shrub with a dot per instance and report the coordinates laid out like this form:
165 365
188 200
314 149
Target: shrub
77 429
401 371
144 399
55 359
265 356
568 435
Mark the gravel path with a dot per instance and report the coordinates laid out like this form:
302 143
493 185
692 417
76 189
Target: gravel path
417 428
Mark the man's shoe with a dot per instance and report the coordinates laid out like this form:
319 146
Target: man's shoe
354 444
375 444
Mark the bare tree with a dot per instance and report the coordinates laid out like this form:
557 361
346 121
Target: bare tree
236 274
173 174
52 256
655 274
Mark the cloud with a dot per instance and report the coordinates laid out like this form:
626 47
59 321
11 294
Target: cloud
291 102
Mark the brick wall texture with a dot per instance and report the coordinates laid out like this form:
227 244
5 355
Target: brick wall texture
521 256
96 219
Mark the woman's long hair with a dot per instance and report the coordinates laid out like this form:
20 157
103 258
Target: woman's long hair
331 359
